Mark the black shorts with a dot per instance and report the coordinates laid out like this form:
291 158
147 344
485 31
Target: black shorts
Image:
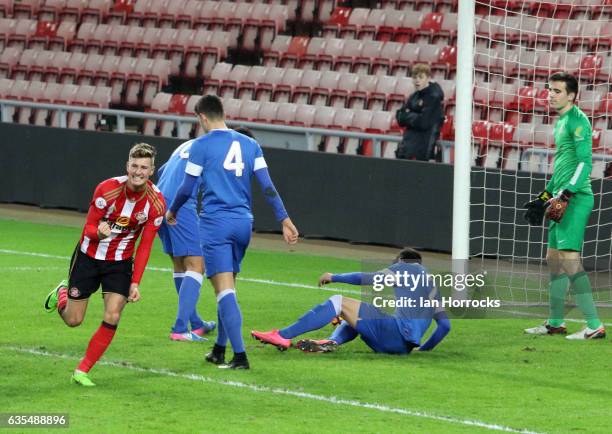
87 274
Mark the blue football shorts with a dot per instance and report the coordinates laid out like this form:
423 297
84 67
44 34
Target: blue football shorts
380 331
182 239
224 242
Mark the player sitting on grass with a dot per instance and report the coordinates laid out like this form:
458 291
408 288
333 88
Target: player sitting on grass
399 333
122 209
567 202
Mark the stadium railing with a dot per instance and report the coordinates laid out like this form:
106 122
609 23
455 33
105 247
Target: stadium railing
184 124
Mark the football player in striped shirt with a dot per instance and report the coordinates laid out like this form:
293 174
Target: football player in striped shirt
122 210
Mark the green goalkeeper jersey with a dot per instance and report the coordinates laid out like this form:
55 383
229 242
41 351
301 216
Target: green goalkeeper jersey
573 154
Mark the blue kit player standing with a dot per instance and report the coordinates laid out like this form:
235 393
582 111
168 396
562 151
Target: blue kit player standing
225 161
182 243
399 333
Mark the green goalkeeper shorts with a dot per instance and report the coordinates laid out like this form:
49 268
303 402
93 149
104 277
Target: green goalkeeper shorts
568 234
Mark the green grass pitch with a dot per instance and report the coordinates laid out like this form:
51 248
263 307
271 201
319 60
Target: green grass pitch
485 376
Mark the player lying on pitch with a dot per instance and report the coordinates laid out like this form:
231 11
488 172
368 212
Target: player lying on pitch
399 333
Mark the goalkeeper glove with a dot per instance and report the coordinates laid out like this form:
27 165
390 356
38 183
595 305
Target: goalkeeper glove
557 206
536 209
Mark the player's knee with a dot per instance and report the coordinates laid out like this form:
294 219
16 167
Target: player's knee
195 264
73 321
112 317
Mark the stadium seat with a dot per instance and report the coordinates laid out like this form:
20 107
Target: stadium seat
310 80
365 86
249 110
375 20
590 66
267 112
291 80
384 86
363 60
339 18
304 115
356 20
286 113
231 107
430 26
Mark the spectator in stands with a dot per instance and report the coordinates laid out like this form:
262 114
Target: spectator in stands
422 116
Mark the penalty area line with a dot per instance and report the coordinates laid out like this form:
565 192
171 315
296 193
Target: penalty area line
279 391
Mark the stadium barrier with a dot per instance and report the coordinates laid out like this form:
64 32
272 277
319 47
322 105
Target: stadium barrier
294 137
354 198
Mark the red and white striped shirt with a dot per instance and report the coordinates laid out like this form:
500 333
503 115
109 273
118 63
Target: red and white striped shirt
128 213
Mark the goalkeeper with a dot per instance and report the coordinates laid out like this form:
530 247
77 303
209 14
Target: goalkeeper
567 202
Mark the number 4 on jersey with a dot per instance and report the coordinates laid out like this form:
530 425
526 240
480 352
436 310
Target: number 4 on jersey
233 159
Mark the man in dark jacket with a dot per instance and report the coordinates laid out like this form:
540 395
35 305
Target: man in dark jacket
421 116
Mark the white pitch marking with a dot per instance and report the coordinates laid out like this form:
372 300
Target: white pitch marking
279 391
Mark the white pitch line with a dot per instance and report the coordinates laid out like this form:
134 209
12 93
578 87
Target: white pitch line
30 268
244 279
278 391
169 270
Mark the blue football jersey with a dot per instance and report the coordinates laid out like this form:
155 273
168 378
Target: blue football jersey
225 160
413 322
173 172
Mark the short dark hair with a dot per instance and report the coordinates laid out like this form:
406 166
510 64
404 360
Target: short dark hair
245 131
571 83
409 255
210 106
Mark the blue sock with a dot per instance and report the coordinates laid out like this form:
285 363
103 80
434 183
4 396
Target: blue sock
231 317
221 335
188 298
314 319
178 281
195 320
343 333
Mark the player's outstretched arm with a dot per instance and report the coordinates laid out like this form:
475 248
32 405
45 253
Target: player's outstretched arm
348 278
182 195
442 329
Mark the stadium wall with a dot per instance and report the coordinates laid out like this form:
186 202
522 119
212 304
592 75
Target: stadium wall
360 199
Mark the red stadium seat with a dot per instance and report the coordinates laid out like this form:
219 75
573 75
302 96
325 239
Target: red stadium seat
338 18
430 26
590 66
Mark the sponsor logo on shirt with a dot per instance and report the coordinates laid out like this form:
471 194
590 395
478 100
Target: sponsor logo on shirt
578 133
122 221
141 217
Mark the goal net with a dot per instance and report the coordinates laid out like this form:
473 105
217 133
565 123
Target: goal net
517 46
